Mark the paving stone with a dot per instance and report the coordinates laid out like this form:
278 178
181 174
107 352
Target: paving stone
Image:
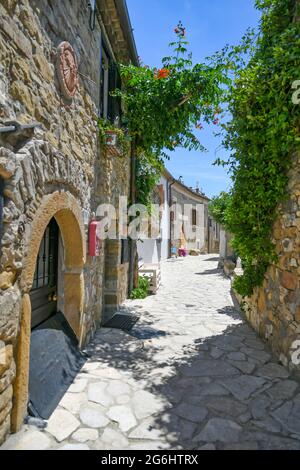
245 367
267 424
236 356
85 434
219 430
289 415
78 386
272 371
260 356
122 399
208 447
145 404
267 441
283 390
184 429
116 388
123 416
27 440
258 407
212 389
74 447
108 373
190 412
255 343
244 418
243 387
146 430
241 446
208 367
62 424
225 405
216 353
97 393
228 343
73 401
93 416
114 438
90 366
149 445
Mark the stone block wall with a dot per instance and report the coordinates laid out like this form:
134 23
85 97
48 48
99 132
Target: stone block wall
61 158
274 309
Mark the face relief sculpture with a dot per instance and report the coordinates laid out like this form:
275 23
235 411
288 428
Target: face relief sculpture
67 70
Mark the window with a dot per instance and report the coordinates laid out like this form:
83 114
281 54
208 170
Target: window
104 84
110 106
194 217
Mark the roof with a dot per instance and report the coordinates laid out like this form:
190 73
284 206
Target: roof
183 187
115 16
127 29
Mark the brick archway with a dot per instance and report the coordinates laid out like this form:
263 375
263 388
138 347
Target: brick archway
65 209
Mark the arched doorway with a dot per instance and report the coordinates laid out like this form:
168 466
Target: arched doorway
57 210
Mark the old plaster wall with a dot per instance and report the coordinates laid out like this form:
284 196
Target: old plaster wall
180 198
62 156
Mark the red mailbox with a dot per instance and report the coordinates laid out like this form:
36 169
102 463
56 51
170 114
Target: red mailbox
94 241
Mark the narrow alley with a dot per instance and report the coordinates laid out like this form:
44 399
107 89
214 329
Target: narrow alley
190 375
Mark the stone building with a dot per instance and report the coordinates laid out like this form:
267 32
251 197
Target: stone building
189 210
156 248
56 70
171 195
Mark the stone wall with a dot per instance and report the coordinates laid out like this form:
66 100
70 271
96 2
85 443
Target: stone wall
116 175
61 157
274 309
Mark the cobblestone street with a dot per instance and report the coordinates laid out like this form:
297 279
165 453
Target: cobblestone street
191 375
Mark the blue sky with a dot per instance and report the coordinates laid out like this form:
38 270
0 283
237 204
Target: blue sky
210 25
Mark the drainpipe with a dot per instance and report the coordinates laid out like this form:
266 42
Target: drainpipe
170 204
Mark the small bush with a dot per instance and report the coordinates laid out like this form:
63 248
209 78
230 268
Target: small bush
141 292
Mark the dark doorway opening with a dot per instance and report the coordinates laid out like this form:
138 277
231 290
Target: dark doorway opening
55 358
43 295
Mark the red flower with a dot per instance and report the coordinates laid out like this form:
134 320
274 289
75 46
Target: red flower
180 30
163 73
216 121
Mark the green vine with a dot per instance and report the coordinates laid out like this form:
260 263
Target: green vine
262 136
148 172
218 206
166 107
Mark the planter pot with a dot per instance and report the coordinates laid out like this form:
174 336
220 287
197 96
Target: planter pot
111 138
111 141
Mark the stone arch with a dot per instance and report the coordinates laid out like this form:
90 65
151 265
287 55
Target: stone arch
64 208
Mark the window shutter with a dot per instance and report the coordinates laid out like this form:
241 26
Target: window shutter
114 103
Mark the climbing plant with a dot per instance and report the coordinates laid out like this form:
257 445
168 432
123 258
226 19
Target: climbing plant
218 206
166 106
262 135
